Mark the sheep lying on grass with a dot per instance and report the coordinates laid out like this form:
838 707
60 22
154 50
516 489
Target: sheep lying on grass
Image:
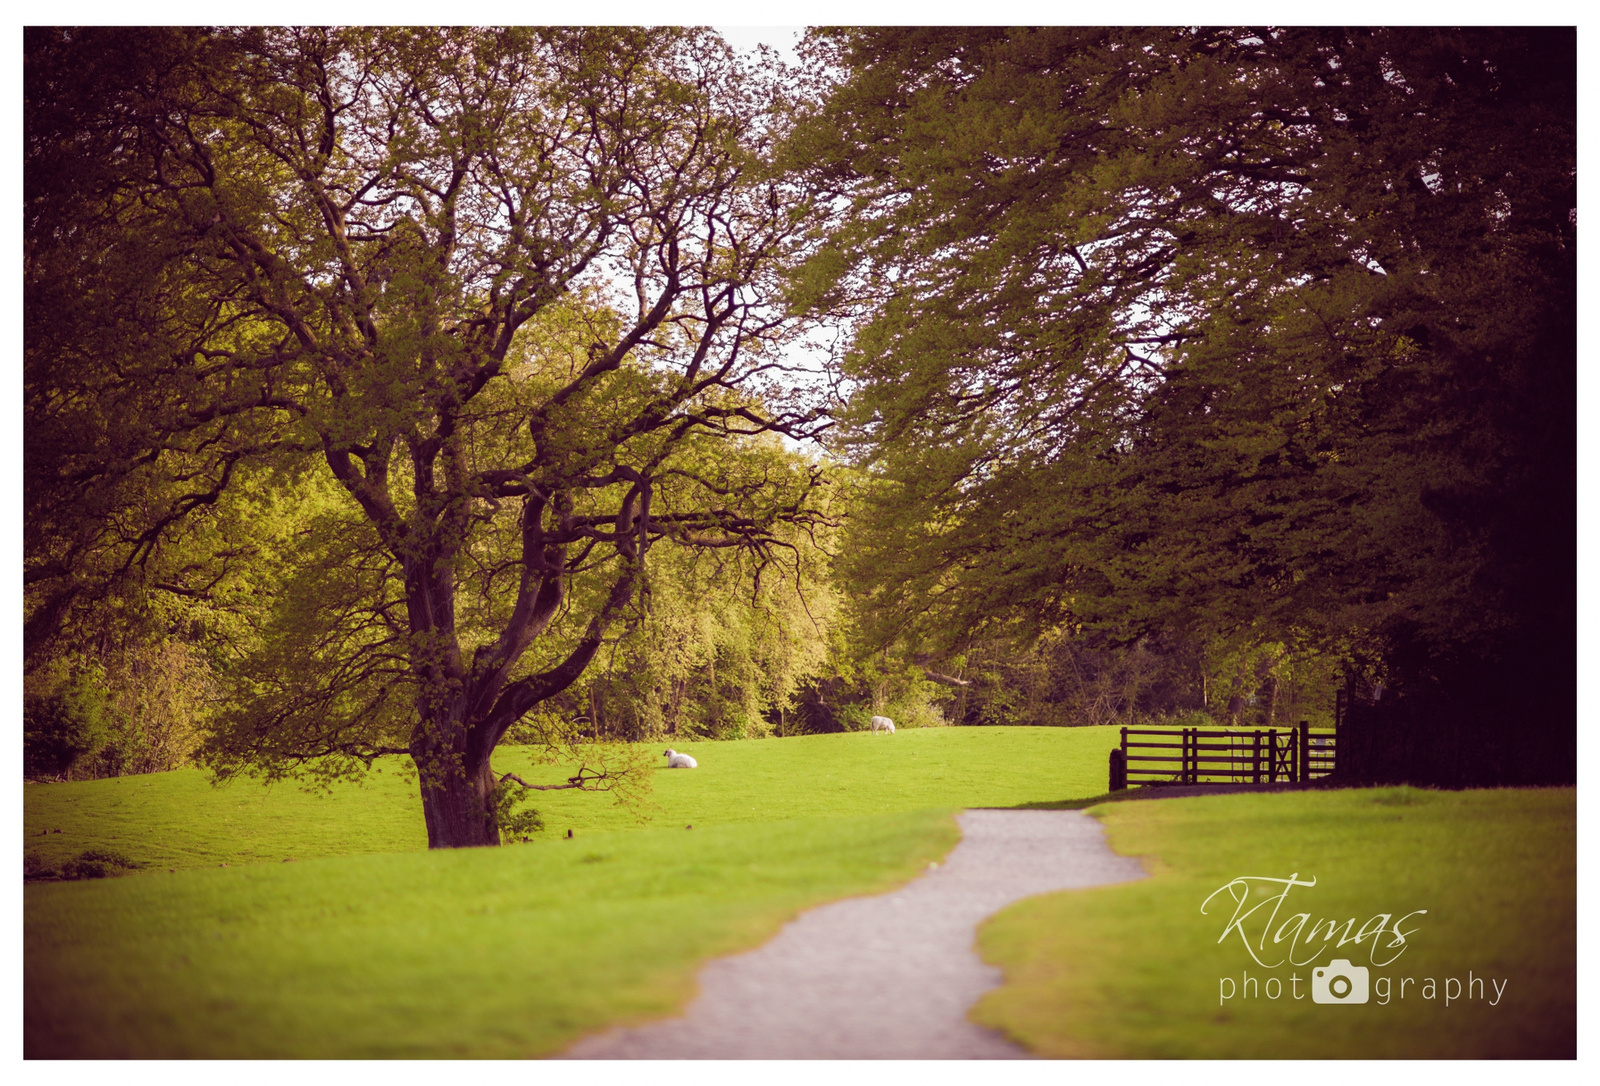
882 724
679 761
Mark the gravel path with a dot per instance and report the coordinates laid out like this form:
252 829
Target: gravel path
888 977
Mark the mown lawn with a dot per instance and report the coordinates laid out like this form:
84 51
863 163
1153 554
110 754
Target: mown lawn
1136 970
509 952
369 945
180 820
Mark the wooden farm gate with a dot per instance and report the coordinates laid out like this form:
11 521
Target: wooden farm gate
1155 756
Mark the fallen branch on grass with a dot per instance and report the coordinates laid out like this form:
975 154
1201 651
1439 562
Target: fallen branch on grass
585 777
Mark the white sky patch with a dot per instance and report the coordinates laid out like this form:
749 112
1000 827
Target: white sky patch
748 39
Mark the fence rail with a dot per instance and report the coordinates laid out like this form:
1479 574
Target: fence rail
1155 756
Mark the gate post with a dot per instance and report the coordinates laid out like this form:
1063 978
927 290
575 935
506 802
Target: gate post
1255 775
1272 755
1119 771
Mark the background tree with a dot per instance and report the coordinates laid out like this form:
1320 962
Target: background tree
116 596
1261 335
722 653
508 288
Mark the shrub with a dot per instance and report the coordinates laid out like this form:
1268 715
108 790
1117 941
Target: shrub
514 824
853 718
66 717
92 863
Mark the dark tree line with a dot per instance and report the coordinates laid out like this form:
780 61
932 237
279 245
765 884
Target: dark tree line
1257 335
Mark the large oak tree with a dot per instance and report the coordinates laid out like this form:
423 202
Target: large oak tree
507 290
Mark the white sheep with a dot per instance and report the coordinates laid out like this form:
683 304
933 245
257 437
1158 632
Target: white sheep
679 761
882 724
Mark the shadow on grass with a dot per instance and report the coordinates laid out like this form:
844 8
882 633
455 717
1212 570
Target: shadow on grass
1170 791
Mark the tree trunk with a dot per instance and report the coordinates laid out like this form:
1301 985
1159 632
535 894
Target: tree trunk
458 807
679 690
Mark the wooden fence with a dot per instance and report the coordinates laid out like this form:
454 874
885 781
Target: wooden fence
1155 756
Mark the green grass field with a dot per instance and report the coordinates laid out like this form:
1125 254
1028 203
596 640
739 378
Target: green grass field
474 953
1136 970
371 946
180 820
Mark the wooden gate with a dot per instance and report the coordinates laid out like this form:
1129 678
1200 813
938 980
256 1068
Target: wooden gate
1154 756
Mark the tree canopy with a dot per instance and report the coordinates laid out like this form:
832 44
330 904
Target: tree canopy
1263 334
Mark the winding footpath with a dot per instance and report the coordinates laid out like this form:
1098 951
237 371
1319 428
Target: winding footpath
887 977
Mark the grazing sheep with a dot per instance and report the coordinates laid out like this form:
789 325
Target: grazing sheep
679 761
882 724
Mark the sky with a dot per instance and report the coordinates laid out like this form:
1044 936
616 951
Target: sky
747 38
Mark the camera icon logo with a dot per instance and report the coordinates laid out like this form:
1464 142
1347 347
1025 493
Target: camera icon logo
1339 982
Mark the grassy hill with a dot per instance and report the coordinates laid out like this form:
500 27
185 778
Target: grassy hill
510 952
1137 970
368 945
371 946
